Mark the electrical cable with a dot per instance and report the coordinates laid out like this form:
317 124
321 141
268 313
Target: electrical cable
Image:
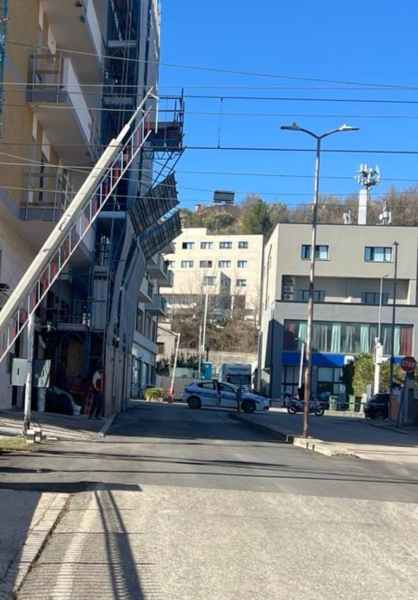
220 70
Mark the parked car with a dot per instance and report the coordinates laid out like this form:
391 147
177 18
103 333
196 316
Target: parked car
216 393
377 407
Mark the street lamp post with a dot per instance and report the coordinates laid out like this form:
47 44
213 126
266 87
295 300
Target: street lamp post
309 332
392 353
378 348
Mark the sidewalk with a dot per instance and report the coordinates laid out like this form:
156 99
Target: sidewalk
339 436
54 426
23 538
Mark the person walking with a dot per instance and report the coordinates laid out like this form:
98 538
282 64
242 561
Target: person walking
97 405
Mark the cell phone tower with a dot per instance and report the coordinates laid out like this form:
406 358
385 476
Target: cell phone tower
367 177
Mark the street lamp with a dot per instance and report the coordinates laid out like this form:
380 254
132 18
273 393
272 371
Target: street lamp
378 348
392 354
308 350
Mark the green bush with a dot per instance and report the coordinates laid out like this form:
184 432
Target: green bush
154 394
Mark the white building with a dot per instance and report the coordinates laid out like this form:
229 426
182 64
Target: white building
228 267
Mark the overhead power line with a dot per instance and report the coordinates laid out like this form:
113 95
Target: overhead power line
216 113
221 70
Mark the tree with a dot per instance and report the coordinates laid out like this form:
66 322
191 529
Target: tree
363 374
256 219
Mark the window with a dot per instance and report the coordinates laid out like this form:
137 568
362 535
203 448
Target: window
348 338
224 264
207 385
205 264
187 264
171 264
377 254
139 320
206 245
209 280
225 245
374 298
243 245
242 264
187 245
303 295
321 252
241 282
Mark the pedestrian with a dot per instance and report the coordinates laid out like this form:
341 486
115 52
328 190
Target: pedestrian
97 405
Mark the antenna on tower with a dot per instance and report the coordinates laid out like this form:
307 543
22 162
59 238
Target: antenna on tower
385 217
367 177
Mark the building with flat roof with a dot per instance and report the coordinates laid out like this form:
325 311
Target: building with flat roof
226 266
354 263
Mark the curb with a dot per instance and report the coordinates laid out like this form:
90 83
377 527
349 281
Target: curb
35 543
309 444
106 426
389 427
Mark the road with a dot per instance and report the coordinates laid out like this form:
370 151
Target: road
188 505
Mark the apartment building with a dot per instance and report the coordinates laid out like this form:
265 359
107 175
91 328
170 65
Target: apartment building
227 267
354 263
73 74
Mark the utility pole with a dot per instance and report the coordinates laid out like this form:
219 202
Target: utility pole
378 348
309 328
176 356
205 320
200 350
28 386
395 283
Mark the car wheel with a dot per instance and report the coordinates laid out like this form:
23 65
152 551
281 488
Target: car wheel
194 402
379 414
248 406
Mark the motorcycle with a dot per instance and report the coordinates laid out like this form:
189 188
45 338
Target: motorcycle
295 406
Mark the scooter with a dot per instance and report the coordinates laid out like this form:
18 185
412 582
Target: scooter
295 406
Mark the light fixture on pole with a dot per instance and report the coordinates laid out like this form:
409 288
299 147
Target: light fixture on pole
309 328
392 352
378 348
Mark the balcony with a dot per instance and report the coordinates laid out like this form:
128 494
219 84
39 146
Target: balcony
59 103
158 307
146 291
77 20
49 191
158 268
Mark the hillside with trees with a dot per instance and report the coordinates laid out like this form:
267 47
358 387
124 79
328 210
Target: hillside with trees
255 216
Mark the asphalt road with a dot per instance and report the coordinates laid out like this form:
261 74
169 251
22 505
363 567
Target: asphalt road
189 505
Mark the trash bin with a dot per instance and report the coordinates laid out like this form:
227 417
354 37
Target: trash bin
352 403
333 403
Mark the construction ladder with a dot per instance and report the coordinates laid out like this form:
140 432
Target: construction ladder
74 224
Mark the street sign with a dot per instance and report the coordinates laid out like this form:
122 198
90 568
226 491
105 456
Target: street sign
408 364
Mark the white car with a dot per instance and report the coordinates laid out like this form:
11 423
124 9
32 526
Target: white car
216 393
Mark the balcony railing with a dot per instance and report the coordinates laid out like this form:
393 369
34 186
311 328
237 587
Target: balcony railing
49 191
55 81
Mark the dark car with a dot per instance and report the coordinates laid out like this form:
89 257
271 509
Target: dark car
377 407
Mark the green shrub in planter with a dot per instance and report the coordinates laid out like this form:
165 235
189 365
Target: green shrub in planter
156 394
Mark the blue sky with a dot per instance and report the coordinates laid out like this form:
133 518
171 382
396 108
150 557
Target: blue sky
348 41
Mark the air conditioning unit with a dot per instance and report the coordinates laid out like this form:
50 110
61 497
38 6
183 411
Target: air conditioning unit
289 281
289 289
289 296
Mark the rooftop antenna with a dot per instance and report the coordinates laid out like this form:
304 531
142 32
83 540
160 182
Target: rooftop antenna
367 177
347 217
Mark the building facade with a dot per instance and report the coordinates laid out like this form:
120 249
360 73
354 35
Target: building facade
73 74
227 267
354 264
